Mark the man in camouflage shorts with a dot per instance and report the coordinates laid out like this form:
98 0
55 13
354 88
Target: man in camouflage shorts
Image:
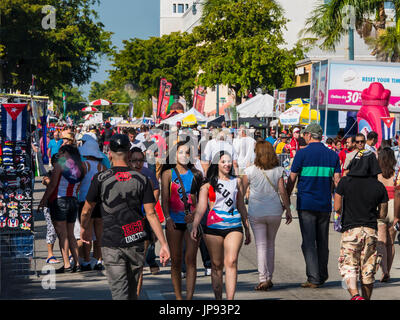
360 199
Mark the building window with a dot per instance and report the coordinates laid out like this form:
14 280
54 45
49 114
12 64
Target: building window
174 8
180 8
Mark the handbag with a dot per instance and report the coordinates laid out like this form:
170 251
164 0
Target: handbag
189 226
274 187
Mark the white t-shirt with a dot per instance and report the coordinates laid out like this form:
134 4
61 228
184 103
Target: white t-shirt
263 200
244 146
138 144
215 146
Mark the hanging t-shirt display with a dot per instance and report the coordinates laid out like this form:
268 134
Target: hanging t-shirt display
15 169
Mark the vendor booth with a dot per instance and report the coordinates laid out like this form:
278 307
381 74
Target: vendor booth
193 113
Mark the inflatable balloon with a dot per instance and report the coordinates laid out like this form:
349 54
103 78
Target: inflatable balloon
375 100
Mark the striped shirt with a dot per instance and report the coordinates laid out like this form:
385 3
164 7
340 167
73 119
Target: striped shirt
224 214
316 166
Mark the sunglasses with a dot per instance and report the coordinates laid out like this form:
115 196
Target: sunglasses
360 141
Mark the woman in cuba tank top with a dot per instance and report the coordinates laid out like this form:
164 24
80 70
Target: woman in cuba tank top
225 221
176 220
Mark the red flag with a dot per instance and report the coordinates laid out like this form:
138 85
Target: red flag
165 101
199 99
163 83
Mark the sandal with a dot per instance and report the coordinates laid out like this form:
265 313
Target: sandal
52 260
264 286
385 278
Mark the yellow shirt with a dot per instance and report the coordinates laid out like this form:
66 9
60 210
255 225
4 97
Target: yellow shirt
279 147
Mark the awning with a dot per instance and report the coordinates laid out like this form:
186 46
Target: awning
258 106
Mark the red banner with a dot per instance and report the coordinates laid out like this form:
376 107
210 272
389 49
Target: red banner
199 99
163 83
165 100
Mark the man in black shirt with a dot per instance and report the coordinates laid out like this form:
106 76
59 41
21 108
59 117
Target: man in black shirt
364 201
122 192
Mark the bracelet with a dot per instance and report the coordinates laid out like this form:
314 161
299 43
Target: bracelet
167 218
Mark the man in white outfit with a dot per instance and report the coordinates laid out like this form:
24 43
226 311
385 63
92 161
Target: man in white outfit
244 147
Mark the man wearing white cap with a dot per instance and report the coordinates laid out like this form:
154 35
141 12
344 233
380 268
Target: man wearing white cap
294 142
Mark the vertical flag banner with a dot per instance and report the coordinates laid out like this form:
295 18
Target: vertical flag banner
130 114
165 100
14 121
388 128
199 99
155 106
64 103
163 84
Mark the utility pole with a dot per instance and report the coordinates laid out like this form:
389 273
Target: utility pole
217 114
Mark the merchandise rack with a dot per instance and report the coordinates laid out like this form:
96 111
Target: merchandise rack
16 195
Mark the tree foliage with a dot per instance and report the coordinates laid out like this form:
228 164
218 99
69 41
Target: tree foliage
240 44
328 23
142 63
65 55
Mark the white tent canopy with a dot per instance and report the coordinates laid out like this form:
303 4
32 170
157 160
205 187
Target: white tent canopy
258 106
179 117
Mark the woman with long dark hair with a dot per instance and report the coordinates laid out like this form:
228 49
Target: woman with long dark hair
63 187
180 168
386 232
225 221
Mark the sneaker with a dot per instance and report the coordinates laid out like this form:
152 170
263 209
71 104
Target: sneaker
154 270
99 266
309 285
357 297
85 268
183 275
207 272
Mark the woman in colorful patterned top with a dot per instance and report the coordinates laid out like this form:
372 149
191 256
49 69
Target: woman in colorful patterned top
225 221
64 185
176 220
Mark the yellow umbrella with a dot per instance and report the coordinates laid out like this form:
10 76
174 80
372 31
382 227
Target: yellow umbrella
190 120
305 114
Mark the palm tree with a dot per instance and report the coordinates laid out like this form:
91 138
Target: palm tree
327 22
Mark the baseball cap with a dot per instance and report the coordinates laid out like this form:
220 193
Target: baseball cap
313 128
120 143
296 130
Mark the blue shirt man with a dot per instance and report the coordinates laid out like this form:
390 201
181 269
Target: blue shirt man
272 138
55 144
315 167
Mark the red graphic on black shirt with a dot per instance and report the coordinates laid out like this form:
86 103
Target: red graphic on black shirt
123 176
132 228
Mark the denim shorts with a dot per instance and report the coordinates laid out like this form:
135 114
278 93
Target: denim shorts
65 209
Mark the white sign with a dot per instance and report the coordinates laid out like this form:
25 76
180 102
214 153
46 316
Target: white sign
348 80
291 116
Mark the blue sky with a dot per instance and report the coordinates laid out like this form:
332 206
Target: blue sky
127 19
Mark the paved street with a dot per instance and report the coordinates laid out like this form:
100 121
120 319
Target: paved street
289 274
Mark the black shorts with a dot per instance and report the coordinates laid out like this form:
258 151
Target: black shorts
64 209
181 226
96 213
222 233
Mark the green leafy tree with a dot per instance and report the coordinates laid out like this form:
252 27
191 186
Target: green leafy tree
65 55
142 63
240 44
75 101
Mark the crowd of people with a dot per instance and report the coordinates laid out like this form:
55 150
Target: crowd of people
111 189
